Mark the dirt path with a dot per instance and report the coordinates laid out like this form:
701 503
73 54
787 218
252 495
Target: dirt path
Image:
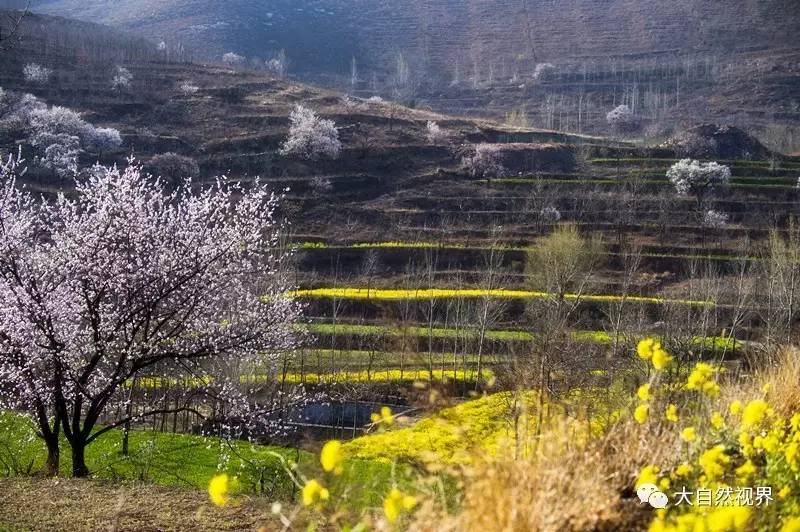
40 505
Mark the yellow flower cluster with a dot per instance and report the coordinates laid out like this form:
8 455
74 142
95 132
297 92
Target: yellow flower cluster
384 418
331 457
650 349
702 379
218 489
723 519
314 493
396 503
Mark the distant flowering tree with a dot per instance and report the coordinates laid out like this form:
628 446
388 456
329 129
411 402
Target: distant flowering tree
543 70
621 118
484 162
434 133
188 88
60 134
232 58
715 219
311 137
698 179
37 74
121 80
122 280
278 65
550 214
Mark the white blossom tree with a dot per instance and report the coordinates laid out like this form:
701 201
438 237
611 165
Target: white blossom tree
123 280
121 80
691 177
61 135
715 219
278 65
484 162
310 136
621 118
35 73
434 133
232 58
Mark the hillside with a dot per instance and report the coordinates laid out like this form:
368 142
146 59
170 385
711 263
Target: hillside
675 63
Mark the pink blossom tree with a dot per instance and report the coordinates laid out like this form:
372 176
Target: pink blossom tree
124 280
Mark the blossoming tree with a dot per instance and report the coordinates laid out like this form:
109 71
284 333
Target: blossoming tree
311 137
124 280
697 178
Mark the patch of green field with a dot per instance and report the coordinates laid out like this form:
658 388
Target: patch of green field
500 247
183 460
716 343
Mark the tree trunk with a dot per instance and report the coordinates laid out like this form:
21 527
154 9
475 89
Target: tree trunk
79 468
53 456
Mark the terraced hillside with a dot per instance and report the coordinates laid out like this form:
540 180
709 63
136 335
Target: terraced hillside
672 62
410 268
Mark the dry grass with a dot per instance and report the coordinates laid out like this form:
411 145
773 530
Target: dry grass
568 483
42 505
574 483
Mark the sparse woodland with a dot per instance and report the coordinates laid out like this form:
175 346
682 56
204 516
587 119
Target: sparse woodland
235 301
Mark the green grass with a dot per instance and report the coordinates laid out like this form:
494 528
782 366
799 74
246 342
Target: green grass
182 460
479 249
601 337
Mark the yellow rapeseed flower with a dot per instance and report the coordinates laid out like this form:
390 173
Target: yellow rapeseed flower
671 414
729 518
641 413
717 421
784 492
397 502
735 407
331 457
792 524
646 347
661 359
643 392
384 417
684 470
689 434
314 493
648 475
754 413
713 461
746 470
218 489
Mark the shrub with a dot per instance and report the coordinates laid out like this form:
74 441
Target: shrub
173 167
311 137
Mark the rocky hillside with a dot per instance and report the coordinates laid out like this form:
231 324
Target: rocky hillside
672 62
